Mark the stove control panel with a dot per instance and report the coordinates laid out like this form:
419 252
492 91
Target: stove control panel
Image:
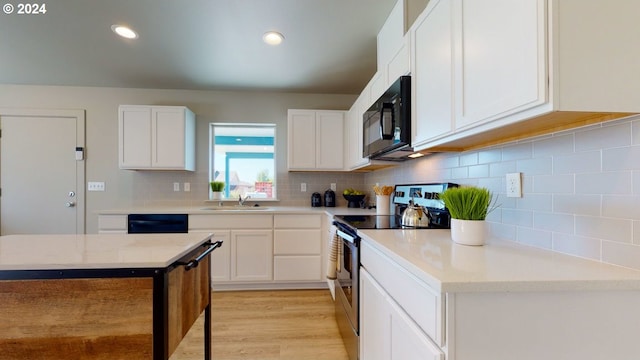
427 195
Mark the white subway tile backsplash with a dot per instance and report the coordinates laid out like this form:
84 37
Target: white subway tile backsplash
620 206
581 246
621 254
502 168
517 217
577 204
460 173
554 184
538 202
489 156
607 136
577 163
626 158
467 159
635 132
479 171
553 146
533 237
618 182
534 166
612 229
517 151
581 189
563 223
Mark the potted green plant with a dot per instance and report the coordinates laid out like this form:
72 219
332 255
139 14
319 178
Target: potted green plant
216 188
468 207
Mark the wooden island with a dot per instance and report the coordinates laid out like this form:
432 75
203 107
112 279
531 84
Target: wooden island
115 296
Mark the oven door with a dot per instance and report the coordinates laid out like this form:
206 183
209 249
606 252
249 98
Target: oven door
346 284
347 280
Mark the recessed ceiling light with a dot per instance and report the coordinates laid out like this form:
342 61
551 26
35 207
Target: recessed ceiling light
272 38
124 31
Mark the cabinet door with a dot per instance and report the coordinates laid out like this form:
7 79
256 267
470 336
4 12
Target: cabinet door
168 137
408 341
135 137
500 58
375 320
251 255
302 139
221 257
432 73
329 140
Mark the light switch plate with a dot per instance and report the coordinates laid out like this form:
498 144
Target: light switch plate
514 185
176 186
333 186
95 186
303 187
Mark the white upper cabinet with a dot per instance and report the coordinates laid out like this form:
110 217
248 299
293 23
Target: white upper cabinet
393 51
156 137
519 68
316 140
500 65
432 73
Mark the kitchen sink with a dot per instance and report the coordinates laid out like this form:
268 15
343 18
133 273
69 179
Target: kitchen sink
235 208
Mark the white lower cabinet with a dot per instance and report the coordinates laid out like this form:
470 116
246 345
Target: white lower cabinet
265 251
386 331
297 248
246 254
251 255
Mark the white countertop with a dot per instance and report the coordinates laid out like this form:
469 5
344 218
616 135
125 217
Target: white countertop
231 210
498 265
109 251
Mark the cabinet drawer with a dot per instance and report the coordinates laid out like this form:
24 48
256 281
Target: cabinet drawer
297 268
420 302
205 222
297 221
297 242
112 223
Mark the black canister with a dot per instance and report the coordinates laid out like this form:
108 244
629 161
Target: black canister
316 199
329 198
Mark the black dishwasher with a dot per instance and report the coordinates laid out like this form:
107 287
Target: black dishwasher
157 223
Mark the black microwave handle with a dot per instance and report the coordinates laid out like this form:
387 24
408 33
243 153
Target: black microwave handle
387 135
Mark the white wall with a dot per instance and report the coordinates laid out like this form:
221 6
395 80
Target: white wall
581 189
143 189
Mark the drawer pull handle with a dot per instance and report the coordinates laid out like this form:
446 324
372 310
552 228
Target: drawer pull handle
195 262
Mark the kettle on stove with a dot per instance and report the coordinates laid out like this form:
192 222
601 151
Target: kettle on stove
415 216
329 198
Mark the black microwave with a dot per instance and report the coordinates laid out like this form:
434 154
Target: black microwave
386 124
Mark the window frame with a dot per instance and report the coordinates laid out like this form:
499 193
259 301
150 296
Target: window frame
211 163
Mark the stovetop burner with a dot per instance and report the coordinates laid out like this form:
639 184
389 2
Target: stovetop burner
426 195
378 222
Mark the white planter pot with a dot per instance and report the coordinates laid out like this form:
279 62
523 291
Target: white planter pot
216 195
468 232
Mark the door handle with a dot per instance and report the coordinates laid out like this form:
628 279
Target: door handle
70 204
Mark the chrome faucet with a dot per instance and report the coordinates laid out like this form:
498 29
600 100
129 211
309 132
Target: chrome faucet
241 200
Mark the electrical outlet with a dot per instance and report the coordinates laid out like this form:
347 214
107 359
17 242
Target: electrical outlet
303 187
333 186
176 186
514 185
186 186
95 186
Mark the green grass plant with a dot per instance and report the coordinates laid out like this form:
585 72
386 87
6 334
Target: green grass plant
217 186
468 203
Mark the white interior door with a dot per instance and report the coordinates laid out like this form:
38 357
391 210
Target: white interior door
42 182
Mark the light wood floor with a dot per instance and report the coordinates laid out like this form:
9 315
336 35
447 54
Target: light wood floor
268 325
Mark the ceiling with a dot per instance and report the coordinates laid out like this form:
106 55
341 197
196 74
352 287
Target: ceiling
329 46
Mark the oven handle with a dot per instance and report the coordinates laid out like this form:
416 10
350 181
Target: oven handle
346 236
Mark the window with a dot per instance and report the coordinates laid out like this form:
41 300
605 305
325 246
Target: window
243 157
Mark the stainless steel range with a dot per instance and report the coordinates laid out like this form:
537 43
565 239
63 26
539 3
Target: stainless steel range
424 196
